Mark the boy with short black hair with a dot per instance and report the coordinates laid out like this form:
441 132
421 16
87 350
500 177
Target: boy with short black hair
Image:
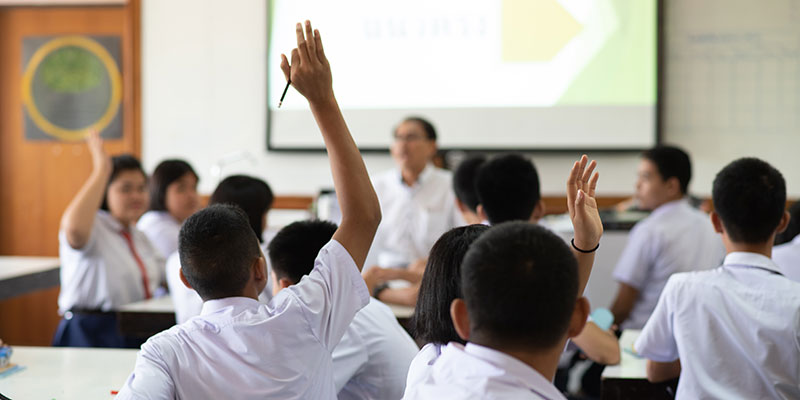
734 331
675 237
508 190
464 186
241 349
372 359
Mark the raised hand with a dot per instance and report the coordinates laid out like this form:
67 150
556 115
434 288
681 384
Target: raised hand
101 161
309 72
582 204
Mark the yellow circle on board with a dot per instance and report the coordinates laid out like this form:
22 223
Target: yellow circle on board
113 72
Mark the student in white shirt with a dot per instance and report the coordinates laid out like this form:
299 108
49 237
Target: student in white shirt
508 190
787 254
372 359
732 332
105 261
254 197
241 349
464 182
675 237
173 198
418 206
521 301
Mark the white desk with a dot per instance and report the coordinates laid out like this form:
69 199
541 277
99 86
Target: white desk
67 373
21 275
630 366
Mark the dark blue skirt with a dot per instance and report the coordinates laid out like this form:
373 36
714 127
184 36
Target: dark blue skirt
92 329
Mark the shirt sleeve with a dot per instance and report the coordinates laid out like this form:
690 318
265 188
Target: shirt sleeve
331 295
636 260
657 340
150 378
349 356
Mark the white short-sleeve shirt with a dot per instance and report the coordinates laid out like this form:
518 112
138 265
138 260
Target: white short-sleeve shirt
414 217
422 364
162 229
186 301
104 274
477 372
787 256
736 330
371 361
239 348
674 238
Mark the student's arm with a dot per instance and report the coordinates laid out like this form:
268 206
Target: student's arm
78 218
585 217
599 346
663 371
310 74
624 302
150 378
406 296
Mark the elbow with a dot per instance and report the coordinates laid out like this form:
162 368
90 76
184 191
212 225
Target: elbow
76 240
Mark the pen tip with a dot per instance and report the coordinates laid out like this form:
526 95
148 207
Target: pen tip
279 104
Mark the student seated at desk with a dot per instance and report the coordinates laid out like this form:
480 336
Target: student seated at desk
255 198
241 349
173 198
520 303
508 190
106 262
464 180
675 237
371 361
787 254
732 332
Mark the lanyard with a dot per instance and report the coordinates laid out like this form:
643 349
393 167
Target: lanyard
145 282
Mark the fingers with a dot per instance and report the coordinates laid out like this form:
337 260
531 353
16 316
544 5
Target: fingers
295 59
588 172
302 47
318 43
311 42
287 70
593 184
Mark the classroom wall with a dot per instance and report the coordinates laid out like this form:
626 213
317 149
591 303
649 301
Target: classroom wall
203 88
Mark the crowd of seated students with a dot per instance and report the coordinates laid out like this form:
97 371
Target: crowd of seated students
497 300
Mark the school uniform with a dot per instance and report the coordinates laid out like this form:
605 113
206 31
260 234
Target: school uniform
162 229
187 302
117 266
238 348
478 372
675 237
371 361
414 217
422 363
736 330
787 256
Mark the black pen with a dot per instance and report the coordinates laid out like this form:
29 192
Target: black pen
288 82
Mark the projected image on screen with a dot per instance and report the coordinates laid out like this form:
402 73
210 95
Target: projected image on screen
505 74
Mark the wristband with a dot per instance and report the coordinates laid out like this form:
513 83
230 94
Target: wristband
584 251
378 289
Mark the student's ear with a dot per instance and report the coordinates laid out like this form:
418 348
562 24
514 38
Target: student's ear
460 317
538 211
259 269
579 316
784 222
283 283
461 207
716 222
184 280
673 186
481 213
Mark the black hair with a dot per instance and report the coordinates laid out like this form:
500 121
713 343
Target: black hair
793 229
750 197
671 162
441 284
508 188
121 163
293 250
166 172
252 195
430 131
520 285
464 183
217 248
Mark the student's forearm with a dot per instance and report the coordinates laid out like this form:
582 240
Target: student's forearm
402 296
585 263
599 345
78 218
624 302
663 371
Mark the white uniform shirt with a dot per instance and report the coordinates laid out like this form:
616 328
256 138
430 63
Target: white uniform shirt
673 238
162 229
371 361
736 330
477 372
413 217
422 364
104 275
239 348
787 256
186 301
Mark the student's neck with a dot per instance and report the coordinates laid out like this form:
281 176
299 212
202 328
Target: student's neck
410 175
670 200
764 249
543 361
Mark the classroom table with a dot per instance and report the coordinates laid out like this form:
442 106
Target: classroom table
64 373
22 275
628 379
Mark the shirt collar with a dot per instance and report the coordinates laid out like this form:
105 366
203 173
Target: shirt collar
423 176
110 221
524 375
235 303
747 259
670 205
